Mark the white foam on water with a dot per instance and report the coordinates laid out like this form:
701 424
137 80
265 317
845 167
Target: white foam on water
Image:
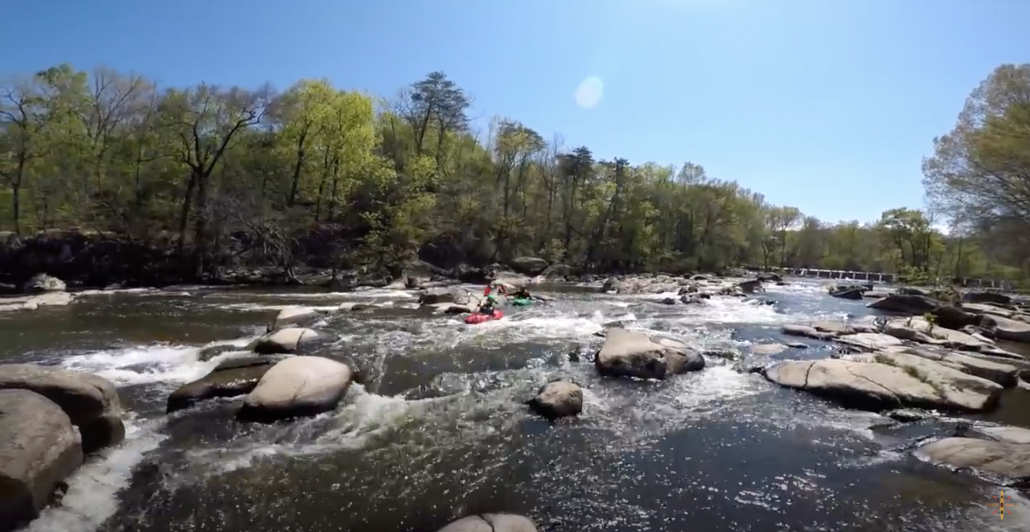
258 306
150 364
92 495
363 294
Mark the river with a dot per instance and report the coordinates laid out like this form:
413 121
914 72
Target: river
438 430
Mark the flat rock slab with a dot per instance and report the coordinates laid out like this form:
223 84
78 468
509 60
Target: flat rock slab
637 354
39 448
83 396
1008 461
1005 434
1004 374
491 523
1011 330
876 386
232 378
955 386
869 341
807 331
297 386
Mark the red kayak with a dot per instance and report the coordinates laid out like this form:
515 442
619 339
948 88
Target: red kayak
479 317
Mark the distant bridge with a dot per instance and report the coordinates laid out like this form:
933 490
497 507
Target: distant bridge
878 277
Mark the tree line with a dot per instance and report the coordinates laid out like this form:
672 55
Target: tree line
388 180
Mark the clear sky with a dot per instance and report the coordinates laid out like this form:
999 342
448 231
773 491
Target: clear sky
827 105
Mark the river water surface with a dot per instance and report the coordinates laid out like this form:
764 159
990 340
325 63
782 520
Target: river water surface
438 430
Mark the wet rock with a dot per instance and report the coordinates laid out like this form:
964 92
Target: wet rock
692 299
986 297
213 351
876 386
984 308
770 277
978 332
48 299
39 449
797 345
297 386
295 315
1008 461
669 301
689 289
491 523
869 341
42 282
805 330
636 354
875 294
750 287
768 349
1011 330
558 399
288 340
906 415
102 432
231 378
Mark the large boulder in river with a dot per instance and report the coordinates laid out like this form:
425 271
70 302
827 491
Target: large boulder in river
297 386
1008 461
636 354
558 399
39 449
906 304
880 386
231 378
91 402
491 523
283 341
528 265
42 282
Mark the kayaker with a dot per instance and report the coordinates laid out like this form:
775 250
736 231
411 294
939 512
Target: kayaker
522 293
488 304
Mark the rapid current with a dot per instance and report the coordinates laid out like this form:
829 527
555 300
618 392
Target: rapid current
438 429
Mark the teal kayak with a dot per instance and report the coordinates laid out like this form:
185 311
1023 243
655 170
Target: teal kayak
521 302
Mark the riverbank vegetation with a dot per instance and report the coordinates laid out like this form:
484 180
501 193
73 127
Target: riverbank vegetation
368 180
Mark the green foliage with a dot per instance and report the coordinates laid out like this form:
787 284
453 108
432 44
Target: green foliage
112 152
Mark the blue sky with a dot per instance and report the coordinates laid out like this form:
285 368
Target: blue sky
825 105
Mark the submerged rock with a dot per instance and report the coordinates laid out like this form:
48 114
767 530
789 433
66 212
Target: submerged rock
38 450
878 386
558 399
807 331
297 386
491 523
1008 461
283 341
768 349
636 354
231 378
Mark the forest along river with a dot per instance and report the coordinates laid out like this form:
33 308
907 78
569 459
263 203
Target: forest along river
438 431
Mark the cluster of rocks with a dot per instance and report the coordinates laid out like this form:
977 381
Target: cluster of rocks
51 419
41 290
942 357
